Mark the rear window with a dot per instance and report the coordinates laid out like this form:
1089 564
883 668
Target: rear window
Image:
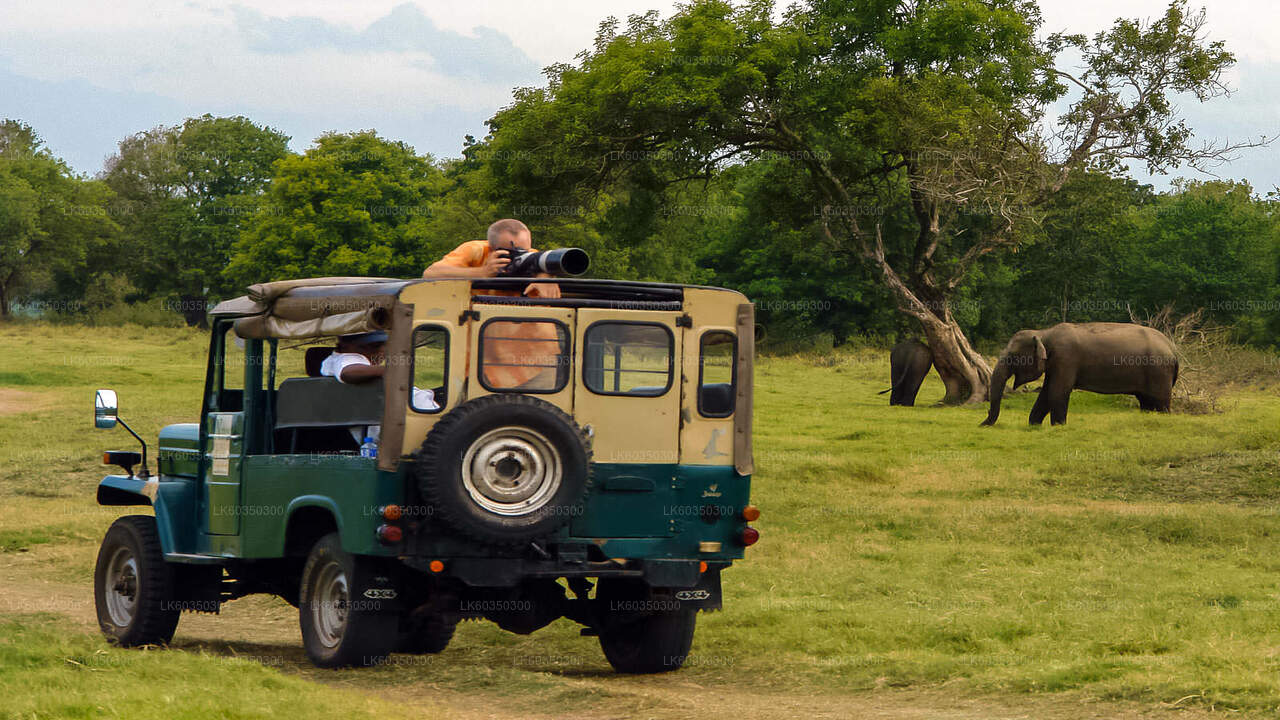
628 358
527 356
717 371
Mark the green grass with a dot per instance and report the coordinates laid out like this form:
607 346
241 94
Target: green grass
1123 556
46 672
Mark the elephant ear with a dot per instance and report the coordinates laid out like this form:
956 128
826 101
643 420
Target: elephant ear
1042 355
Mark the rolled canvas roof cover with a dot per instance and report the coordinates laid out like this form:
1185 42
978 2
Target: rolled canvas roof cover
313 307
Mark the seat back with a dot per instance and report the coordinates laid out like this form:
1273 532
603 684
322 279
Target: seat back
326 402
716 399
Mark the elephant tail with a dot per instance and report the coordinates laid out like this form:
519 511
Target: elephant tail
884 391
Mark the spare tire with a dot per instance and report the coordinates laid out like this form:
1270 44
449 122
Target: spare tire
505 469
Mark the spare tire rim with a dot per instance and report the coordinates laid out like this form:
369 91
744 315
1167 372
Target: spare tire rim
512 471
122 587
329 606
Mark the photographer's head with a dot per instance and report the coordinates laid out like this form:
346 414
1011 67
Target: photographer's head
509 233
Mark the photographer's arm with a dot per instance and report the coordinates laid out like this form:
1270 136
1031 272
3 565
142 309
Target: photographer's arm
454 265
543 290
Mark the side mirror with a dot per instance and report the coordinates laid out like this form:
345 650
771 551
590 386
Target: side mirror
105 408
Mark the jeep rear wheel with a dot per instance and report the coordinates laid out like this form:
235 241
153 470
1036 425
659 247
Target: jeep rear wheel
133 585
505 469
341 624
642 635
427 635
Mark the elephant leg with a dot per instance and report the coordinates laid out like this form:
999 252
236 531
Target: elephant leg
912 390
1058 409
1057 392
1145 402
1040 408
1161 401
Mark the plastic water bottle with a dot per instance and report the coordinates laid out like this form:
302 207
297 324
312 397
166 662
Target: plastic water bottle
369 448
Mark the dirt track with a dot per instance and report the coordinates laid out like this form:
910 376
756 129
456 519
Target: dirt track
263 627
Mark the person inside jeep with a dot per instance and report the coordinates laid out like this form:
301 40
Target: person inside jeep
487 258
358 358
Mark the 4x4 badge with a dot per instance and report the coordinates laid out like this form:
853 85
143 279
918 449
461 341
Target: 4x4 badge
693 594
380 594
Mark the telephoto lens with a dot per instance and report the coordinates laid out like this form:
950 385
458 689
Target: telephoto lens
561 262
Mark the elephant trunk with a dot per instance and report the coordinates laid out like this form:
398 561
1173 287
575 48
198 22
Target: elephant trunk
998 379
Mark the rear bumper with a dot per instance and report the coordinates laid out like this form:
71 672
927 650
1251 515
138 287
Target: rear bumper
509 572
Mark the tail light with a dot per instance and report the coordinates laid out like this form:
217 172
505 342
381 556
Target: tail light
390 534
749 536
751 513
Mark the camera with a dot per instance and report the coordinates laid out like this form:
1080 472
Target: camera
562 262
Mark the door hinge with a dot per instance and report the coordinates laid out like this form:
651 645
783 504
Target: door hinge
684 321
468 315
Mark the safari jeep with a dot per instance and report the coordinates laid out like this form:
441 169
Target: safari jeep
586 457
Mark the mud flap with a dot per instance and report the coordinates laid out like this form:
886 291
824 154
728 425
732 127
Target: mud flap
703 596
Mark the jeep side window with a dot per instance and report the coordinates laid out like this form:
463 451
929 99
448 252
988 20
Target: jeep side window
430 365
717 371
527 356
230 373
628 358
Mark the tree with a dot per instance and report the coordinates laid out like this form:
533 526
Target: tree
354 204
937 104
185 193
1205 246
48 216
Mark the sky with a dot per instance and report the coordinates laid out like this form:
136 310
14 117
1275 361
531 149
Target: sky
86 73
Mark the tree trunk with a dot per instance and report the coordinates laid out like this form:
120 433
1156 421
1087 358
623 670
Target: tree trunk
963 370
4 300
194 310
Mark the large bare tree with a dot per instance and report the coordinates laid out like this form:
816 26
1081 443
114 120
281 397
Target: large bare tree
944 106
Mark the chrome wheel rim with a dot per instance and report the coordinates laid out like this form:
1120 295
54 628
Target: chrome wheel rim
122 587
512 471
330 604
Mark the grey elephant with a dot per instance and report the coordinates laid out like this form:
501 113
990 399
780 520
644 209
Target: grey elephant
1109 358
909 363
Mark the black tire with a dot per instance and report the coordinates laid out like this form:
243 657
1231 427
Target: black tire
341 626
133 586
427 636
640 635
523 434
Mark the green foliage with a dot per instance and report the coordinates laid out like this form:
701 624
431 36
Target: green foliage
354 204
184 194
1207 245
50 219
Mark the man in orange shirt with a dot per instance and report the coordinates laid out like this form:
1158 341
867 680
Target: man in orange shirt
517 355
487 258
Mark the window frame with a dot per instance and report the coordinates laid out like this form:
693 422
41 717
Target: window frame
413 362
561 382
671 358
733 370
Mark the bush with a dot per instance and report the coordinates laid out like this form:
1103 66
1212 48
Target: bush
148 313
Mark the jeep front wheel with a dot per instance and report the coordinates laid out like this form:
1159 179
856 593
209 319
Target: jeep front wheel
640 634
342 624
133 585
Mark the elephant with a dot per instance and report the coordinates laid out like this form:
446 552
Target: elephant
909 363
1101 357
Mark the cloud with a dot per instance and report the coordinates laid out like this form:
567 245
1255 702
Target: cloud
405 29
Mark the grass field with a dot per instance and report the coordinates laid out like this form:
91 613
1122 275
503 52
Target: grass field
910 562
